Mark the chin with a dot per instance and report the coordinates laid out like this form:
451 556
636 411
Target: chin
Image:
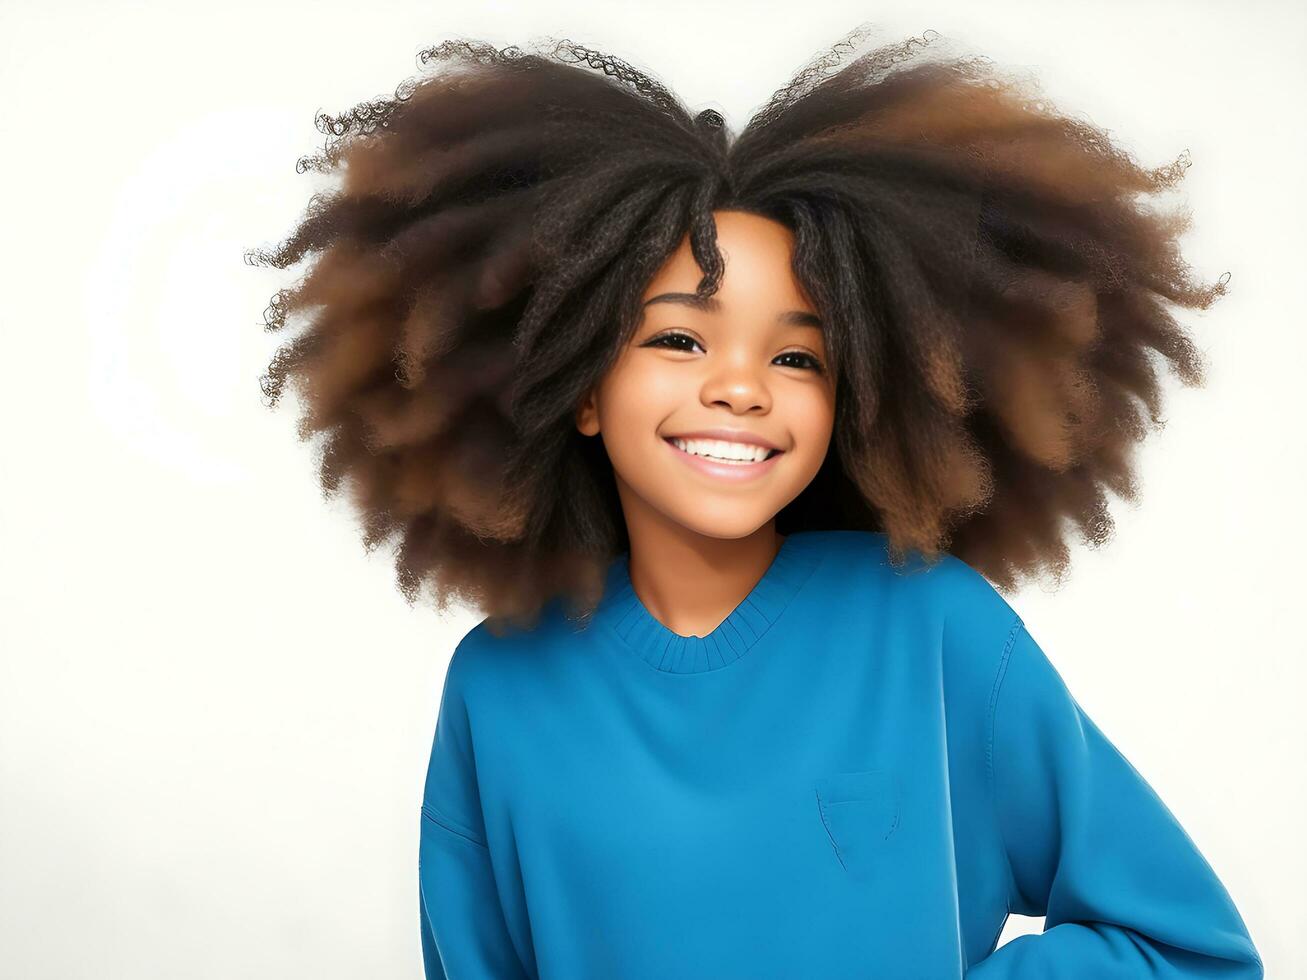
729 528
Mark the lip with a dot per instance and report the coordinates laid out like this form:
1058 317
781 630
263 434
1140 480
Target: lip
727 435
733 472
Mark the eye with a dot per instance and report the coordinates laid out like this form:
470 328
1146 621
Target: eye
670 339
811 364
659 340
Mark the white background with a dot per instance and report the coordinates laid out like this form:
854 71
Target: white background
216 710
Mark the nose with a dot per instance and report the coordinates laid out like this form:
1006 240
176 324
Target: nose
737 385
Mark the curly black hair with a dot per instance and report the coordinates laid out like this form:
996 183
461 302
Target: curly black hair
990 277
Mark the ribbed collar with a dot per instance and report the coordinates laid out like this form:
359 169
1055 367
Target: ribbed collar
642 634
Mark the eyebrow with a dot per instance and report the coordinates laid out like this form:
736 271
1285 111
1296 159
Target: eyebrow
710 304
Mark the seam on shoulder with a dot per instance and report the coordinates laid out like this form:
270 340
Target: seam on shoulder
448 823
990 712
990 724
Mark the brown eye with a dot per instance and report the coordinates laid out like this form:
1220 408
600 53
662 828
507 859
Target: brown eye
811 363
669 340
659 341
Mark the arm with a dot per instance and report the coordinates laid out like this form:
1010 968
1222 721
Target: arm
1092 848
464 934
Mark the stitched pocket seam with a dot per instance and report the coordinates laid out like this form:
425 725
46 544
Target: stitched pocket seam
824 804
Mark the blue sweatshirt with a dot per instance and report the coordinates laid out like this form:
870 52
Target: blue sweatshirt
859 773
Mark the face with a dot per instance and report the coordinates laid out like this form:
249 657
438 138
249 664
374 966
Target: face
752 362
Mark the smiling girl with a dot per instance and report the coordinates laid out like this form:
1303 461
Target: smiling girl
717 414
729 436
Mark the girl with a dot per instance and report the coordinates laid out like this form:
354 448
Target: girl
729 436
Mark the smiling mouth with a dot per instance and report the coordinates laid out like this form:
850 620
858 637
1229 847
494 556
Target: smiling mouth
723 460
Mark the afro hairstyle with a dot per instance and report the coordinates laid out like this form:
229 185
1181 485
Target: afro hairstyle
991 274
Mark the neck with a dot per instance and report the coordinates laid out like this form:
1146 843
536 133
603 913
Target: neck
690 581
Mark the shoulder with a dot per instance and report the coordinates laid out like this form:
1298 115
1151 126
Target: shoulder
969 601
483 650
960 606
853 544
956 616
946 586
848 556
977 630
494 662
977 627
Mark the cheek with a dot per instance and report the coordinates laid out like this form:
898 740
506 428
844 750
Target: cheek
639 393
810 417
632 405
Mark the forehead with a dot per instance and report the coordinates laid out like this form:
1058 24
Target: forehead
757 253
711 304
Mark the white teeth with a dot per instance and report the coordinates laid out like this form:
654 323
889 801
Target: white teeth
727 452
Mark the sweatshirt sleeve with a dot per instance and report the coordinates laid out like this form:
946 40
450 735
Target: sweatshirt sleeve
1124 890
464 933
